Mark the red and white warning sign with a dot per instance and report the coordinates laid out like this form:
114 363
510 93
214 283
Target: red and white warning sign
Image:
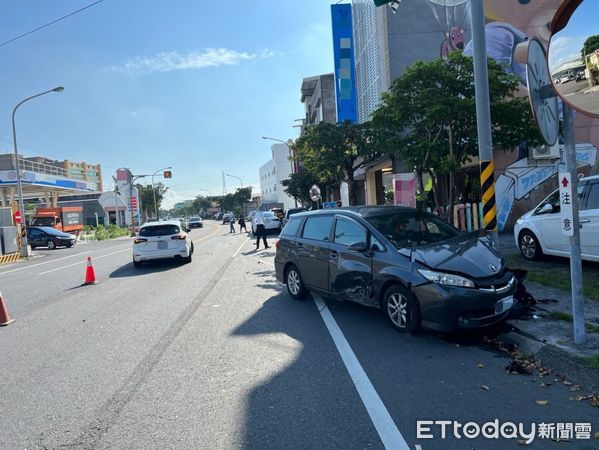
17 217
134 203
565 202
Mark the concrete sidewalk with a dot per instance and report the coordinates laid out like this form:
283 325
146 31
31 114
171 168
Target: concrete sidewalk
536 331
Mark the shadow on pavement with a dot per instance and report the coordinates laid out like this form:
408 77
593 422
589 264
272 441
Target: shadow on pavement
129 270
310 402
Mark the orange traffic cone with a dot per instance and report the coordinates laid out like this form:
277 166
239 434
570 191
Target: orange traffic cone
90 276
4 317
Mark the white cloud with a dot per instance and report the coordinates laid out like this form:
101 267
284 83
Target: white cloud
170 61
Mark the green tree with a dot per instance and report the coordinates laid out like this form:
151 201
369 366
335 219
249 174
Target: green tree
298 185
146 195
590 45
333 153
428 118
201 202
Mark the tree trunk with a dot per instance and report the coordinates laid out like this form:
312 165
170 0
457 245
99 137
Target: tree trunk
420 188
351 189
451 176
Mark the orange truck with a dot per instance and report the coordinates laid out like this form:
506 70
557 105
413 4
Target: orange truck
68 218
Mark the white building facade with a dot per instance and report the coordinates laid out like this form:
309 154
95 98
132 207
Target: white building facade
277 169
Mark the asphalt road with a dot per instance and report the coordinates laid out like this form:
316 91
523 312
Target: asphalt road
579 94
215 354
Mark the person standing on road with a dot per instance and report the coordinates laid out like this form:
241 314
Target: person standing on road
232 224
242 223
260 230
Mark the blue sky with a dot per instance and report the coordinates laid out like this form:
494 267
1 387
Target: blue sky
192 84
567 43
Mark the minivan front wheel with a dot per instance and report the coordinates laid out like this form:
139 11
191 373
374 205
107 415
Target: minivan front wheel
401 309
295 284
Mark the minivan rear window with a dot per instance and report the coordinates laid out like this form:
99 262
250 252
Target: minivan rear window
318 228
291 228
159 230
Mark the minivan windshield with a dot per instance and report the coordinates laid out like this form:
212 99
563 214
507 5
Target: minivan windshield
159 230
412 227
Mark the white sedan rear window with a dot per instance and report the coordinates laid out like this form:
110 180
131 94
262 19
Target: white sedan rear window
159 230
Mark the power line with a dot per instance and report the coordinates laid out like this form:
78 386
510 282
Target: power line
51 23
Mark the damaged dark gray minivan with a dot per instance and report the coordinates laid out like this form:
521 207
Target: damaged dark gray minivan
417 268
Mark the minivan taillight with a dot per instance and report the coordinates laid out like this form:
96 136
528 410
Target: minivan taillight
139 240
277 242
179 237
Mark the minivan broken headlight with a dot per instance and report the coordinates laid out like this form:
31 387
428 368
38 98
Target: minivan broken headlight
446 279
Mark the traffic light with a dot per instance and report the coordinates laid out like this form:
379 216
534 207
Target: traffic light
168 174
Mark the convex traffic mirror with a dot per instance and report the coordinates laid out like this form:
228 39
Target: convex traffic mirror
573 59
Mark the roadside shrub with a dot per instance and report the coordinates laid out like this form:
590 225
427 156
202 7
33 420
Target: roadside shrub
101 234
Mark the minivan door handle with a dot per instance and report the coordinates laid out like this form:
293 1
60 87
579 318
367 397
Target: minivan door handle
584 221
333 254
299 245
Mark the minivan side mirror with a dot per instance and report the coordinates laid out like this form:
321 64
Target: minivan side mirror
358 247
547 208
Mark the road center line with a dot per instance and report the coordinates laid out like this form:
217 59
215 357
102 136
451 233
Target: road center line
381 419
83 262
216 230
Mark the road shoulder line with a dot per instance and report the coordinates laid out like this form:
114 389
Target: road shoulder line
381 419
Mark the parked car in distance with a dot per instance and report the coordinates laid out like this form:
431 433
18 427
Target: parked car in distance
279 212
195 222
219 216
227 217
539 231
162 240
564 79
49 237
290 212
271 222
250 216
418 269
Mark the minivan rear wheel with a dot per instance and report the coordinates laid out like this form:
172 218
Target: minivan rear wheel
295 285
401 309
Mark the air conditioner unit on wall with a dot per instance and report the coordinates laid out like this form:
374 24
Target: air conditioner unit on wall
546 152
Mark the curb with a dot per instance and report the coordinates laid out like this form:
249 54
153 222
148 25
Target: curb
560 361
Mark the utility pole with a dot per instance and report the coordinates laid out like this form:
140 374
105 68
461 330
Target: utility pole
575 251
483 117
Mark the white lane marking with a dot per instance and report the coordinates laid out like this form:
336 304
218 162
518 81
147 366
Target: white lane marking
381 419
83 262
240 247
48 262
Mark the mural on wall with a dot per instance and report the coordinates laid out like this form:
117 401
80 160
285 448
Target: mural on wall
508 23
451 15
522 177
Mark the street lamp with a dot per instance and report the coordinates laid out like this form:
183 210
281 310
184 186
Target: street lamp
154 191
233 176
24 244
209 194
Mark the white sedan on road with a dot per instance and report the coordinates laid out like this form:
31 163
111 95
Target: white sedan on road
271 222
162 240
539 232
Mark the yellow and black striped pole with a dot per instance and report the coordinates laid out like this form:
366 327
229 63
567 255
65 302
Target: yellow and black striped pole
487 184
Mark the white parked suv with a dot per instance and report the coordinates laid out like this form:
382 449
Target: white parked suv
539 231
162 240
